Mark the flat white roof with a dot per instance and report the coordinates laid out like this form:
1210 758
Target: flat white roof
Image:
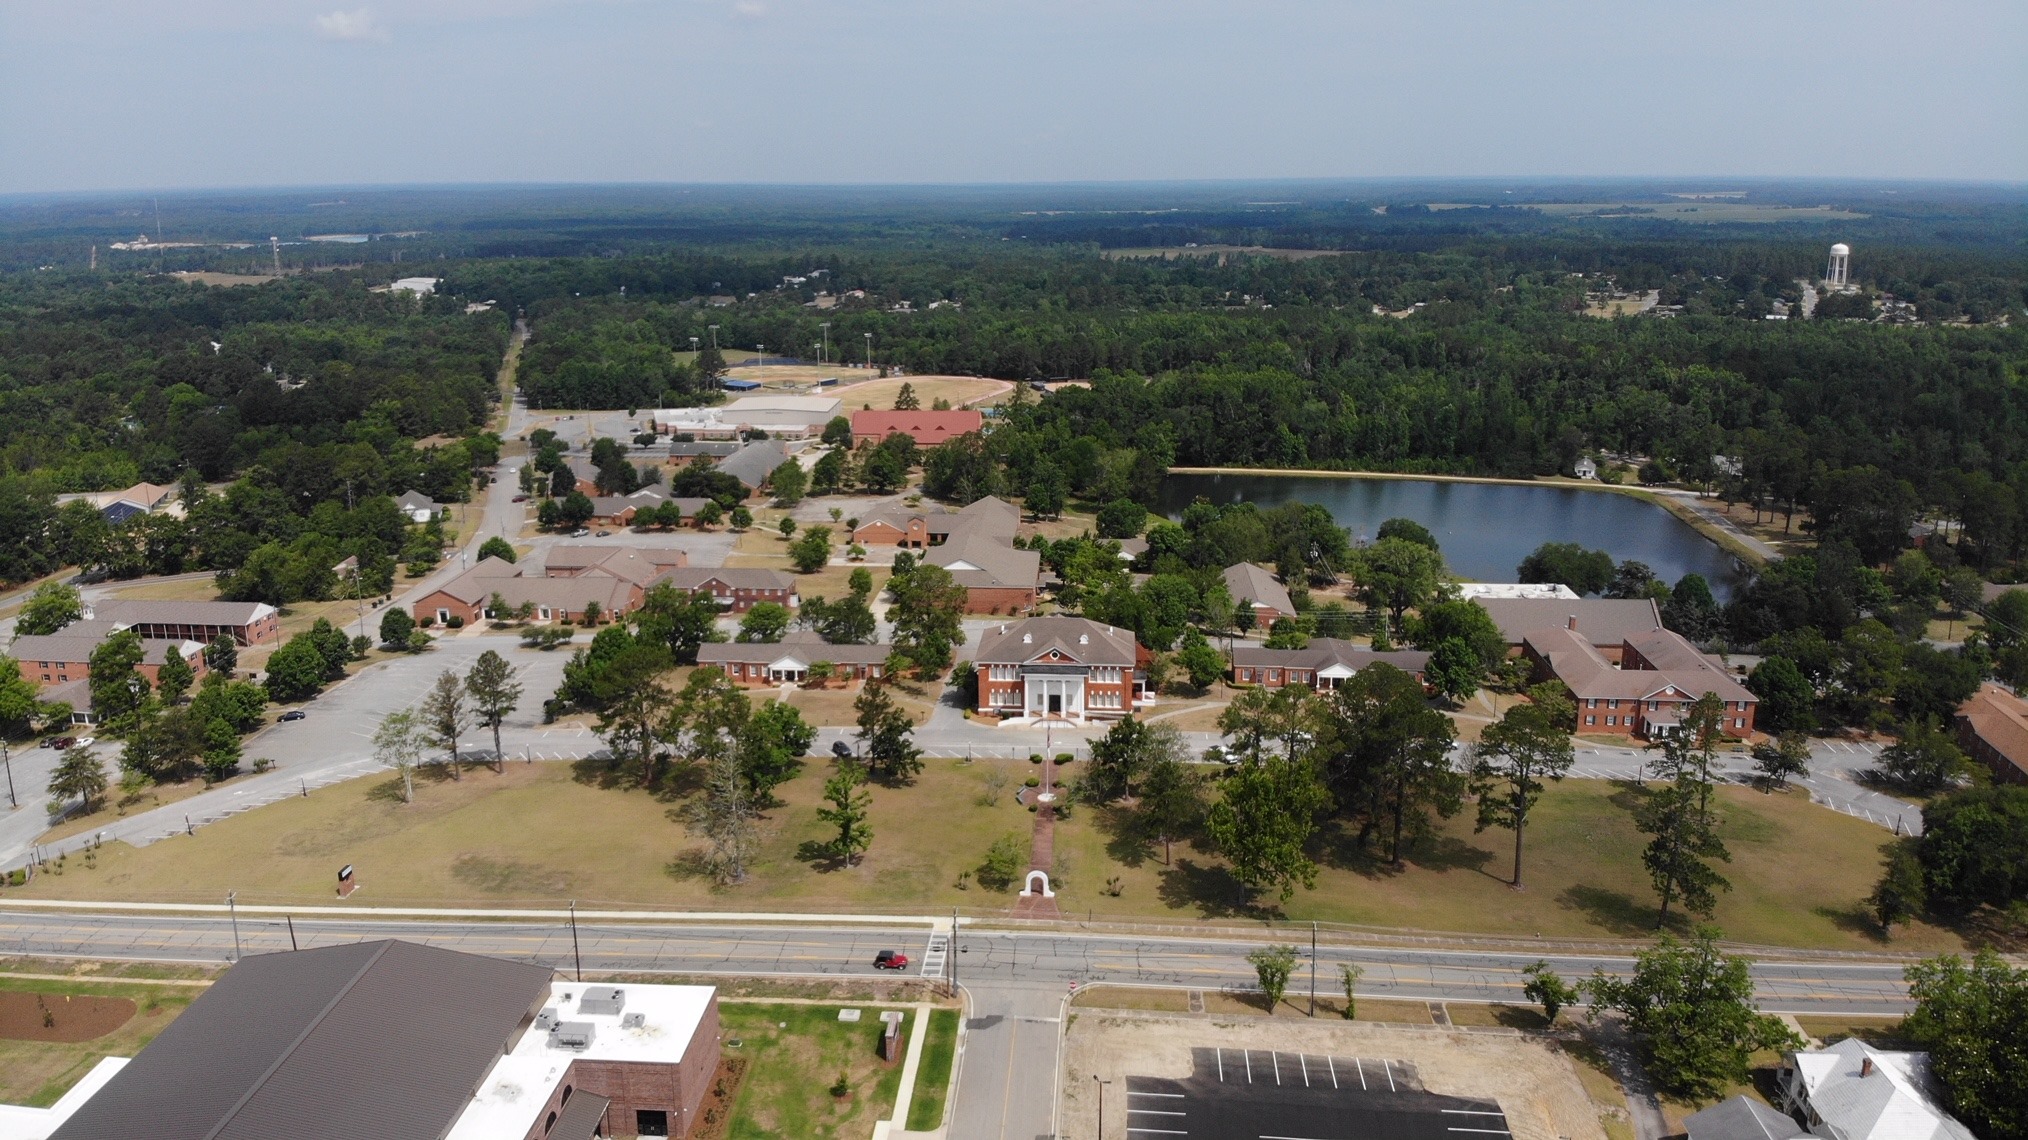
416 284
522 1082
1471 590
815 405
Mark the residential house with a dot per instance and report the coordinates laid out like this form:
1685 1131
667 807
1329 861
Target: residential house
1324 664
752 464
1606 623
737 588
927 428
788 661
401 1041
419 508
247 623
1644 694
1852 1091
1256 587
1584 468
1060 668
1993 729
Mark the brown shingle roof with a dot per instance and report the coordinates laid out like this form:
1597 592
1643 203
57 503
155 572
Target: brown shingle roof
1022 641
1324 652
1999 718
1247 582
1603 621
979 561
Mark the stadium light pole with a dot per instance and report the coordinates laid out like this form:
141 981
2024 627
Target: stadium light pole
825 351
869 350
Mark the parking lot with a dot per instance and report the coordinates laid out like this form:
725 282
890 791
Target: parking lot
1258 1094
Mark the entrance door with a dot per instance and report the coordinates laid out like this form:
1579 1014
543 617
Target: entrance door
1055 704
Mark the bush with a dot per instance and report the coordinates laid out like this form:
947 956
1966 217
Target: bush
1064 758
455 622
1032 782
1035 757
427 620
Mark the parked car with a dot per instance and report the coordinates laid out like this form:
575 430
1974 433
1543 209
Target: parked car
841 750
605 534
580 533
890 960
294 714
61 742
520 498
84 742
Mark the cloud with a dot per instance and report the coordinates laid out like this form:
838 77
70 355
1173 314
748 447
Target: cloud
358 24
749 9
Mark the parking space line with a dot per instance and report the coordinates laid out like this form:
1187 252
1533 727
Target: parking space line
1275 1059
1249 1065
1362 1073
1153 1112
1304 1061
1172 1096
1334 1069
1221 1066
1389 1066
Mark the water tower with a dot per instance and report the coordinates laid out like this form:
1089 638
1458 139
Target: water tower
1838 273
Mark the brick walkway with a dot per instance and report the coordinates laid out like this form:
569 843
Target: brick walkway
1041 857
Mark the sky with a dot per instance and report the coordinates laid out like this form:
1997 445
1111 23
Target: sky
143 94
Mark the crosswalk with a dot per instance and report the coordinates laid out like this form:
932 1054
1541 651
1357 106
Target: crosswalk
936 955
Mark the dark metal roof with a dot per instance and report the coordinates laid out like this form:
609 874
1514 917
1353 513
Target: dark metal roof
383 1039
581 1116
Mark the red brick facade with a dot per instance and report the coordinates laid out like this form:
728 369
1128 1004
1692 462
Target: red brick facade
635 1086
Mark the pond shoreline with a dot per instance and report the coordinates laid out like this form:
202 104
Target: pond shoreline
1675 504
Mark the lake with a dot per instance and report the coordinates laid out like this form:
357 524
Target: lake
1485 529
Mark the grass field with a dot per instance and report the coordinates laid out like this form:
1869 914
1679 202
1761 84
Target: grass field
794 1053
1706 211
1800 872
961 391
38 1072
933 1074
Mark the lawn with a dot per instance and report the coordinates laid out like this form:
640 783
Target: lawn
38 1072
794 1053
933 1073
880 394
1799 871
520 838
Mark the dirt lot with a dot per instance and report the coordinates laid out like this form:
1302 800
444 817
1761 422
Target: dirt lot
61 1017
1533 1083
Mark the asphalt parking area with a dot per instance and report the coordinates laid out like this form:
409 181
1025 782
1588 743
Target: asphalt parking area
1242 1094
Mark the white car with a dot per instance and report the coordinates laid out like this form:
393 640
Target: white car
85 742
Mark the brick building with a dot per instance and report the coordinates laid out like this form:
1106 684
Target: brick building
1605 623
49 660
249 623
1644 694
1992 729
737 588
928 428
398 1041
1254 586
976 544
1324 664
1062 668
788 661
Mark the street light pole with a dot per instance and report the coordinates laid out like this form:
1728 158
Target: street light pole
824 352
869 350
576 952
232 904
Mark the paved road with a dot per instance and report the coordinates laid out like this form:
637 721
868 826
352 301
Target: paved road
1016 981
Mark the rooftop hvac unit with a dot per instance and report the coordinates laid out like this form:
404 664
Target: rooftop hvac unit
606 1000
634 1021
546 1020
573 1035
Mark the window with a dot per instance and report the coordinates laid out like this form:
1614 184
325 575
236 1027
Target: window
1739 722
1612 704
549 1123
1591 702
1591 720
1274 675
1612 720
651 1122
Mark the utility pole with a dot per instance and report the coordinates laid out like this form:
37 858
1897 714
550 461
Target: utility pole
714 336
762 351
576 952
1313 969
952 955
232 904
291 920
7 756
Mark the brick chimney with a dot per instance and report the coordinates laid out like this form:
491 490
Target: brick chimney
1572 624
1866 1067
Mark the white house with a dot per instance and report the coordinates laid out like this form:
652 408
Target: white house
1852 1091
417 506
1584 468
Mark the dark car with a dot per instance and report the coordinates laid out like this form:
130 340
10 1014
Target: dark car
62 742
520 498
890 960
294 714
605 533
841 750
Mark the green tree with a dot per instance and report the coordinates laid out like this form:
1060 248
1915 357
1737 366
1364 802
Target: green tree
1678 857
829 474
333 648
1925 758
174 678
575 509
1387 753
1901 893
1972 1018
850 804
1127 752
1567 563
765 622
1547 989
1787 699
1200 661
1397 575
1453 670
928 616
1461 621
1690 1009
52 606
1514 755
495 692
221 750
631 700
812 552
906 399
679 621
1172 801
838 432
787 526
1001 868
80 775
789 482
17 699
498 547
1348 980
221 657
1263 823
1046 491
1121 518
1408 530
118 690
708 515
446 716
771 748
1272 966
395 626
1776 762
742 518
725 814
886 734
